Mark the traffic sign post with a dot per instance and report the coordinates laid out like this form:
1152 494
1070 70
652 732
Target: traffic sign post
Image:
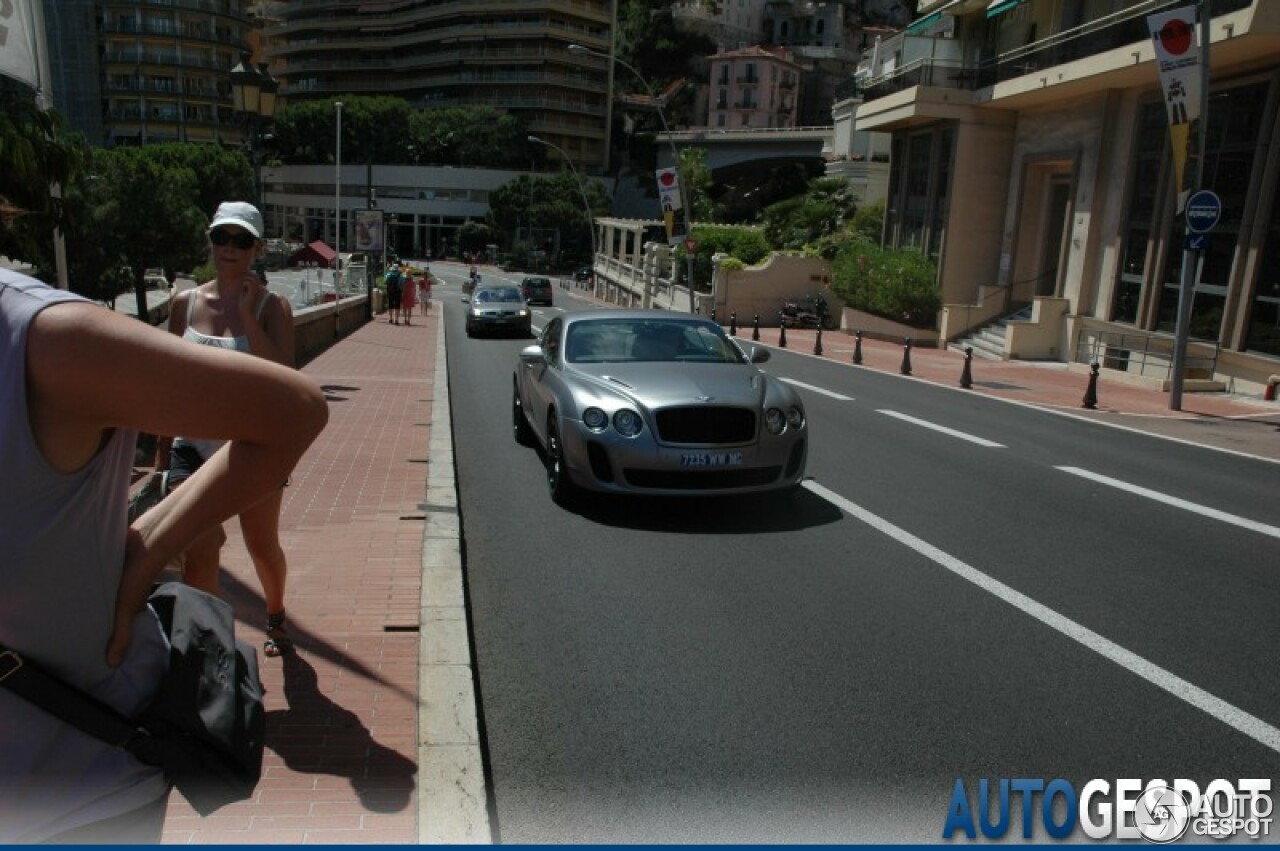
1204 209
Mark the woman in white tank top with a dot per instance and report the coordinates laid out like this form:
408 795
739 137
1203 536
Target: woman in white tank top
235 311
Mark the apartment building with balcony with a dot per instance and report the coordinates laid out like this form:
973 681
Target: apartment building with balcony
825 37
511 56
136 72
753 87
731 24
1031 158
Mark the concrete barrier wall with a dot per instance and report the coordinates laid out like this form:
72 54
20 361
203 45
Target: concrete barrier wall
317 328
762 289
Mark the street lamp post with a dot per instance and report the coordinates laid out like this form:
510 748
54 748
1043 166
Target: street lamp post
675 156
586 203
253 91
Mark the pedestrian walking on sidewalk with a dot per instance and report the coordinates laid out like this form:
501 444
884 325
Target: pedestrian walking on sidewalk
75 576
408 298
424 293
394 282
235 311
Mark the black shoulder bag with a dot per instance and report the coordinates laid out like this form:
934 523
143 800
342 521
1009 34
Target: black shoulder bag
205 726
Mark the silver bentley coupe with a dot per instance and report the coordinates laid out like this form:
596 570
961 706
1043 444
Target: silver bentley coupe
651 402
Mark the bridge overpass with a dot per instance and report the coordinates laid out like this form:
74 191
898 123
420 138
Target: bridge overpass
733 148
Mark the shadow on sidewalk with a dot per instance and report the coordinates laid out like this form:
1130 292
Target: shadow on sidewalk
244 598
317 736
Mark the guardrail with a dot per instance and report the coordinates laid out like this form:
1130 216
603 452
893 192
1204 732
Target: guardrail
1144 354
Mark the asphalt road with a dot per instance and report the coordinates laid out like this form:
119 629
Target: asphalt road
965 589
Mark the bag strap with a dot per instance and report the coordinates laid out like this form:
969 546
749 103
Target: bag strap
72 706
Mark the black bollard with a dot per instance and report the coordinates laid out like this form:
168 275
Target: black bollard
713 315
755 329
817 343
906 356
857 347
966 375
733 324
1091 392
782 331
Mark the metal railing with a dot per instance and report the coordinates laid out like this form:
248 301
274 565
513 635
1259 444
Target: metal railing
1117 30
1143 353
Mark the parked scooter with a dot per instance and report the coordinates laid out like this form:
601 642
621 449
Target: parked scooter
808 312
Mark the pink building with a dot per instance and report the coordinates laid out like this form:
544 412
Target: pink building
753 87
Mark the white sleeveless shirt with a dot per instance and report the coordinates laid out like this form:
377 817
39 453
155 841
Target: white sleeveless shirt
238 343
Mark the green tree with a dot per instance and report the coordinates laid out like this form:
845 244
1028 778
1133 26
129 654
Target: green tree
391 130
134 209
552 202
824 209
36 153
474 237
220 174
695 178
746 244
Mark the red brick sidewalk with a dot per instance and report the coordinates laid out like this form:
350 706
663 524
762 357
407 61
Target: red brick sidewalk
342 713
1222 420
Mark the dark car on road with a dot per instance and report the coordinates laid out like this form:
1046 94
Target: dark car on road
536 290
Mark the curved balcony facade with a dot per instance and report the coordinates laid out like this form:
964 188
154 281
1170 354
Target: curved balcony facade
163 69
510 55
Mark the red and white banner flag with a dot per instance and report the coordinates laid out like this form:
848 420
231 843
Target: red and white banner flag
672 204
1173 35
18 41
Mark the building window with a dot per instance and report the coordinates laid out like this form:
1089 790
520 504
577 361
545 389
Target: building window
1235 126
919 189
1153 135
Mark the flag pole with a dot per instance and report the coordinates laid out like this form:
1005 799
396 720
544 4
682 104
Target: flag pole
38 39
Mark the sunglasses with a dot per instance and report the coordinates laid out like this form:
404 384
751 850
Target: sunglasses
244 241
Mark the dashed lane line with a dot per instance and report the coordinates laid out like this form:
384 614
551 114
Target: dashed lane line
981 441
1176 502
814 389
1217 708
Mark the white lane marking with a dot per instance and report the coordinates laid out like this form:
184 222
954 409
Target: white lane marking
1211 705
1196 508
795 383
981 441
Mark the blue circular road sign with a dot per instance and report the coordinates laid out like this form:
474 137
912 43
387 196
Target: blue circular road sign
1204 208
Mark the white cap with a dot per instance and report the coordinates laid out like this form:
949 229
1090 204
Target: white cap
241 214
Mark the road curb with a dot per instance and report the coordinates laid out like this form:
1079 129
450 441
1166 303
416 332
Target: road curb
452 802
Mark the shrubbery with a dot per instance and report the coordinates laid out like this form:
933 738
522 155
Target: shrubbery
744 243
897 285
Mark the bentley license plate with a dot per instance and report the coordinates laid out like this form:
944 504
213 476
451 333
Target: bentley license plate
710 459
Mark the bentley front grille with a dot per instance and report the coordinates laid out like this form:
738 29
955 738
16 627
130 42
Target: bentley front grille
706 424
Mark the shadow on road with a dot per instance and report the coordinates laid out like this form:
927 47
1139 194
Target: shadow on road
704 515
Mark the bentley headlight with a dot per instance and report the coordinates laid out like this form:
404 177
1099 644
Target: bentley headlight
628 423
775 420
795 417
595 419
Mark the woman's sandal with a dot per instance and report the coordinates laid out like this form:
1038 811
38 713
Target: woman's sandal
278 641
